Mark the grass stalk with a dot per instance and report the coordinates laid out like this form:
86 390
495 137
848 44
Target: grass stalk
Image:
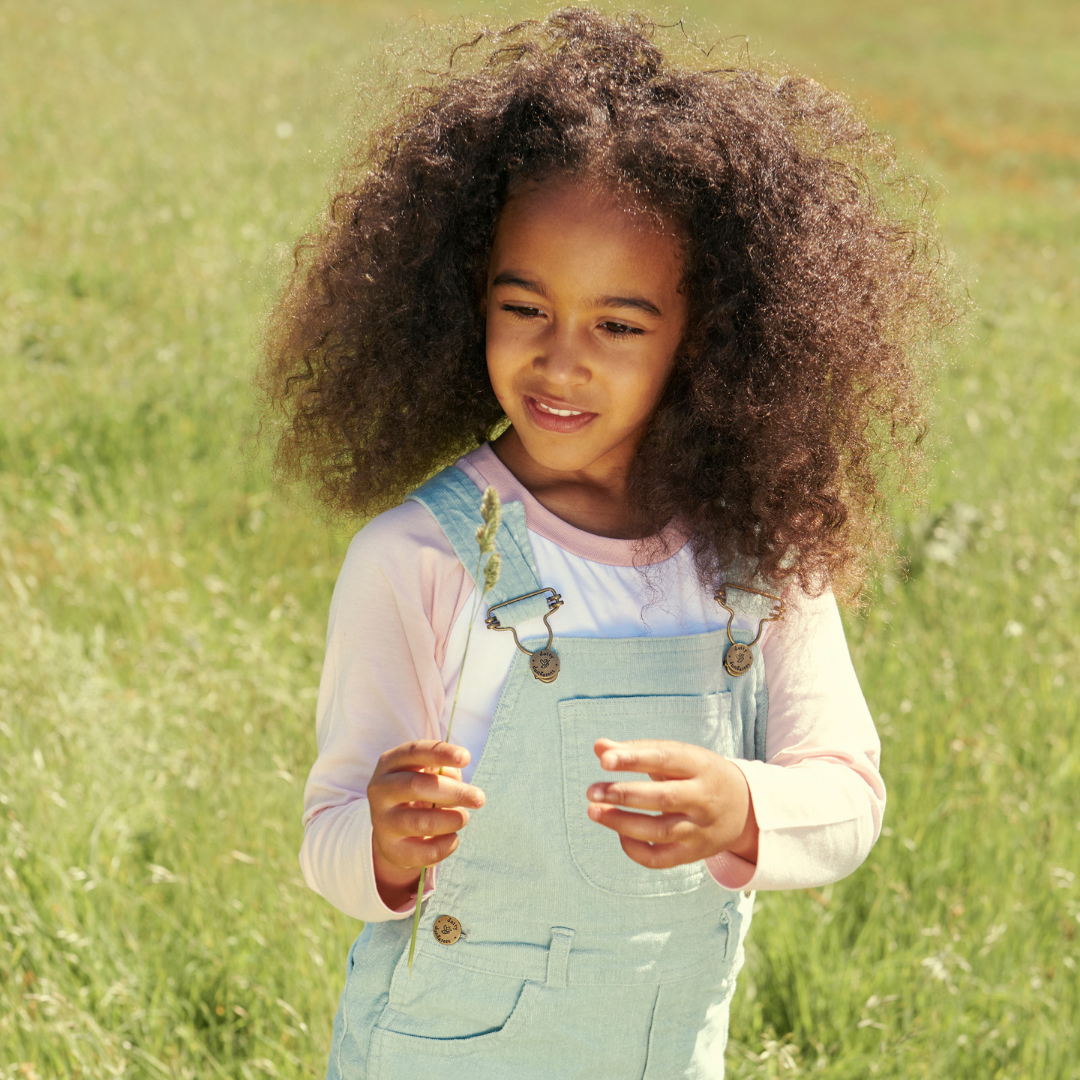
485 579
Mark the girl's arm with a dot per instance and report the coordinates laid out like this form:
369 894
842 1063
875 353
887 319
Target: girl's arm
396 598
818 797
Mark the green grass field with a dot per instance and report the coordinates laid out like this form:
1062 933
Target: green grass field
162 611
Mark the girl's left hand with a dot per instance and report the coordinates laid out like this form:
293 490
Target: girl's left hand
701 801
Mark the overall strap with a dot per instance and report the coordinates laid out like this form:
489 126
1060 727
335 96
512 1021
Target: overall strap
753 607
454 501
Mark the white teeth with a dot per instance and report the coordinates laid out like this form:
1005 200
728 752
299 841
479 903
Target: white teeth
556 412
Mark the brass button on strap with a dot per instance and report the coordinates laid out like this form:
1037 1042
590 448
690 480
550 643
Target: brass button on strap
739 659
447 930
544 665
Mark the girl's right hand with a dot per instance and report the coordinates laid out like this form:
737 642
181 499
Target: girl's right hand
416 813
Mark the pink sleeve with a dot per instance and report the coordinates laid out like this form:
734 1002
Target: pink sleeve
818 796
397 596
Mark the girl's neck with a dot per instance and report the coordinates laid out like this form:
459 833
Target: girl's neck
591 500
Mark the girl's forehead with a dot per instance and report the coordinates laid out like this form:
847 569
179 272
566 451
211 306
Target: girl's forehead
584 199
557 216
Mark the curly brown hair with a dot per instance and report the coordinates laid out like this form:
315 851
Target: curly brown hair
811 275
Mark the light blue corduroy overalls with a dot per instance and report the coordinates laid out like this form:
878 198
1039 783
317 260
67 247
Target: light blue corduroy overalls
573 960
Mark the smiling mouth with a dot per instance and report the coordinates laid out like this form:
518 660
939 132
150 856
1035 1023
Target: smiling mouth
557 418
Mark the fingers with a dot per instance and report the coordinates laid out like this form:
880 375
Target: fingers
655 842
415 835
696 805
663 797
415 851
427 788
418 802
422 821
649 828
658 757
422 754
656 856
423 772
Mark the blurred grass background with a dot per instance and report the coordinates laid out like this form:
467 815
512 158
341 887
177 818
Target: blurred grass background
162 613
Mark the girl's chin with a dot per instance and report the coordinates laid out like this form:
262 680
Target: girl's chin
560 453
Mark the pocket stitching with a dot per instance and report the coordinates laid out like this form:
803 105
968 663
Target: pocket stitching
466 1044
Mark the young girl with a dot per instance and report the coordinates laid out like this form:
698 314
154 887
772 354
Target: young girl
678 288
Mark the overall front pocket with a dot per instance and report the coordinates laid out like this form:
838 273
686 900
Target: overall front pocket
444 1012
703 720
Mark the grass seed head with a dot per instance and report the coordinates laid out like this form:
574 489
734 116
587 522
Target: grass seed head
491 512
491 571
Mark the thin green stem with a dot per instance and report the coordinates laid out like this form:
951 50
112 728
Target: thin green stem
478 596
416 916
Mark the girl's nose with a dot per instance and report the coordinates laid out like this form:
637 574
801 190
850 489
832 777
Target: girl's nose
563 358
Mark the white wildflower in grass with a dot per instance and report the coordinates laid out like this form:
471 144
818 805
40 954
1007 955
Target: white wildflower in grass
486 577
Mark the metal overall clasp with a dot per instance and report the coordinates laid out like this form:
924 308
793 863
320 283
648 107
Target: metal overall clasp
544 663
740 657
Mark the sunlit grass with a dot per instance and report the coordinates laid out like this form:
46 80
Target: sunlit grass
162 614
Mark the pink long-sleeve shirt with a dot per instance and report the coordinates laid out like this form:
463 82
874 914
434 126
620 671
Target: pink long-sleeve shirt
397 627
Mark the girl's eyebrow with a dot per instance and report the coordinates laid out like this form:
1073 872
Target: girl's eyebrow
508 277
638 303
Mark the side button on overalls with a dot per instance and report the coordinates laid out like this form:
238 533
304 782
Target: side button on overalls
568 960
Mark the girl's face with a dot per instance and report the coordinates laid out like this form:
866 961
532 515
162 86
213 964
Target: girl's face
584 316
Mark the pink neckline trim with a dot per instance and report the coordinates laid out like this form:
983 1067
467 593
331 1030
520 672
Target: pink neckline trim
484 468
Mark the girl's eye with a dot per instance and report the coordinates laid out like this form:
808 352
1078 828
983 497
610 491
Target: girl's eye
618 330
522 311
